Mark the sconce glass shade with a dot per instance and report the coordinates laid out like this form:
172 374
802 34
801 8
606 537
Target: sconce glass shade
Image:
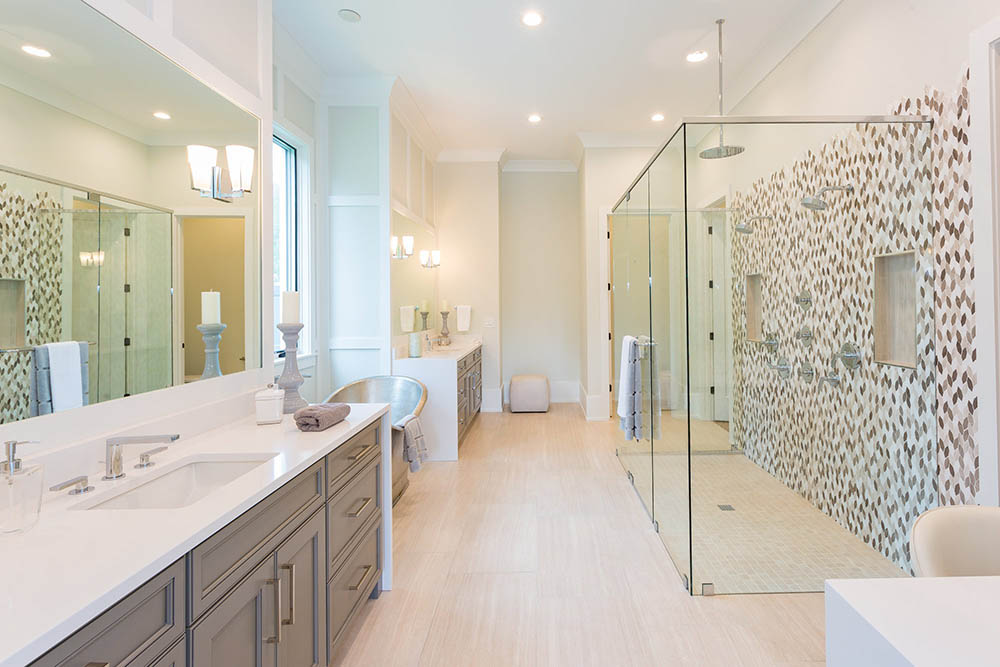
202 162
394 246
86 259
435 258
408 245
240 160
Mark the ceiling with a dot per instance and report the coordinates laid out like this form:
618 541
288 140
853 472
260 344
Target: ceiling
592 67
102 73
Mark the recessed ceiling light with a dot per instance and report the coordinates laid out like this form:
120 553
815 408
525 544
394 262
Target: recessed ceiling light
697 56
531 19
535 118
162 115
657 117
349 15
36 51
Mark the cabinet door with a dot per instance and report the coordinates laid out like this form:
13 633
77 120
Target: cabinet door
243 629
176 656
302 570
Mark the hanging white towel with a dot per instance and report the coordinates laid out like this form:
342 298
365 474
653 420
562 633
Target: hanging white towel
66 375
463 315
407 315
630 389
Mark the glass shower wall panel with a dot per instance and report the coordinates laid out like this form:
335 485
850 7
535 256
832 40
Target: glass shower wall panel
669 287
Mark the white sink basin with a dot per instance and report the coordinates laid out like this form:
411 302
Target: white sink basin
183 483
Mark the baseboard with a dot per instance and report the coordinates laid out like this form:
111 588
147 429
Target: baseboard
597 407
493 400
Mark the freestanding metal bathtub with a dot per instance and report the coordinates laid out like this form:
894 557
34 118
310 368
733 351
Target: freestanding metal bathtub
405 396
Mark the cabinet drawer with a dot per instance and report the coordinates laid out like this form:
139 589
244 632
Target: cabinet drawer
353 582
351 510
134 632
478 354
176 656
219 562
343 462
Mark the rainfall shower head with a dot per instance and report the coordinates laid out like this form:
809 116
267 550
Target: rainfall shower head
722 150
817 203
746 227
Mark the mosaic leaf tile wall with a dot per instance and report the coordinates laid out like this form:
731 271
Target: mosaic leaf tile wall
30 250
888 442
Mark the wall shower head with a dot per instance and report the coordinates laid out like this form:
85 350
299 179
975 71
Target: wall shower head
817 203
746 227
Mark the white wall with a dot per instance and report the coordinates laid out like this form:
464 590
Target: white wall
467 202
540 250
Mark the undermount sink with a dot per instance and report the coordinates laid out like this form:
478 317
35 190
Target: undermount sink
186 483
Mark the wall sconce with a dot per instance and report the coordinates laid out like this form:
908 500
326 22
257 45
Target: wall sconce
401 251
430 259
208 178
95 258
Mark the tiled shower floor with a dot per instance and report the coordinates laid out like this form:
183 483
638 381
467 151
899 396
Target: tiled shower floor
773 540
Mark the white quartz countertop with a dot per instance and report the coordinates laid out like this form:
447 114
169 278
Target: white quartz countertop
454 352
74 564
920 621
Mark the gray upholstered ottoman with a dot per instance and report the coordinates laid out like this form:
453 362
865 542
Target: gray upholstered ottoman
529 393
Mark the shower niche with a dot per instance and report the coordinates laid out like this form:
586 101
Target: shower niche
895 309
755 308
12 323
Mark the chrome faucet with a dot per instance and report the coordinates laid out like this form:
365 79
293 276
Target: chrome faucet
113 468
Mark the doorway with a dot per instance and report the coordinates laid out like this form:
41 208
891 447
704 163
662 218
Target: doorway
213 259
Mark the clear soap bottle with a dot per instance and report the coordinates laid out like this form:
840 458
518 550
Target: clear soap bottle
20 492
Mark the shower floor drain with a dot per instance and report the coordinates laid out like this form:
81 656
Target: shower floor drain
727 508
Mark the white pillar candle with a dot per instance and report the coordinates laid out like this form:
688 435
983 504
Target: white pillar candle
425 306
211 308
289 308
444 306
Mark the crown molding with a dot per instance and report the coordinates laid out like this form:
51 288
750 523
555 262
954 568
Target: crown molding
471 155
553 166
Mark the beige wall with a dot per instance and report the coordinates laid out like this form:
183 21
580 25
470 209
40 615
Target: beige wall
467 202
412 283
540 260
213 261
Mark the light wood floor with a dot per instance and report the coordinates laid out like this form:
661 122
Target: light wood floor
533 549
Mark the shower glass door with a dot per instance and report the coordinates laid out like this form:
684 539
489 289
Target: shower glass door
629 228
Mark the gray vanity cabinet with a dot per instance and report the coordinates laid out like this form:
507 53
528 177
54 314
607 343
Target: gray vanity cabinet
470 390
134 632
176 656
243 629
302 570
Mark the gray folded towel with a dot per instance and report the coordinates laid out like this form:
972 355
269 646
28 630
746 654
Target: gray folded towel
321 416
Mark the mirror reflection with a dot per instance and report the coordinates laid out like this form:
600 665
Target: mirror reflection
128 217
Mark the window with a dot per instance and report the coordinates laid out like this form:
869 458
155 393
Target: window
286 236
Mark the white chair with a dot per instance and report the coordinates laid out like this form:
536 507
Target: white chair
956 541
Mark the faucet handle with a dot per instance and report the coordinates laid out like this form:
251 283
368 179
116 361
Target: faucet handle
81 483
144 461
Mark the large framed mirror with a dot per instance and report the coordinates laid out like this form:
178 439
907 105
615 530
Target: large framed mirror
129 217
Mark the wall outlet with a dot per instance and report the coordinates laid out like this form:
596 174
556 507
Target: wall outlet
490 323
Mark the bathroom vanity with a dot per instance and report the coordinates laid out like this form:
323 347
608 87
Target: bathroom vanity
454 379
267 569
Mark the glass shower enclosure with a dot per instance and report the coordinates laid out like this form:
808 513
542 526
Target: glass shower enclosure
781 300
89 268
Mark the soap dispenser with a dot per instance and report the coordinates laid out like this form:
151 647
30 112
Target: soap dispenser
20 491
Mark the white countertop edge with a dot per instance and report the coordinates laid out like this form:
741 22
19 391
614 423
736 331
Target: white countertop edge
16 652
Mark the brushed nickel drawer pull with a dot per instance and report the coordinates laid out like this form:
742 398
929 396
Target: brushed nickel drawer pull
276 639
362 580
356 513
361 454
98 664
291 594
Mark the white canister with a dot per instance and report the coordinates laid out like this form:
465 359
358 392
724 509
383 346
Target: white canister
416 343
270 405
